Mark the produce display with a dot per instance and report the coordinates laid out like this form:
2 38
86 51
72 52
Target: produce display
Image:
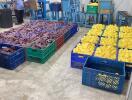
28 33
88 42
110 42
108 52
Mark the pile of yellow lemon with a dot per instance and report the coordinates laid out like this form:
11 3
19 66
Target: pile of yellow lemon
108 52
87 44
111 31
90 39
98 26
108 41
125 43
125 35
125 55
84 48
125 32
96 30
126 29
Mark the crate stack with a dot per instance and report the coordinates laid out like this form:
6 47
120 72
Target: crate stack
105 55
123 18
91 14
36 41
105 11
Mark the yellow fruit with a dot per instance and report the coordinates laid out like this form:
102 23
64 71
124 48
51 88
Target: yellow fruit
125 43
108 41
108 52
89 39
109 33
125 35
113 28
84 48
126 29
125 55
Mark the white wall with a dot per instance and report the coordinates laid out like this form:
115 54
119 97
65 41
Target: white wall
123 5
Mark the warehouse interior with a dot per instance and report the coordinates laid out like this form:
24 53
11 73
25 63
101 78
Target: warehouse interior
66 50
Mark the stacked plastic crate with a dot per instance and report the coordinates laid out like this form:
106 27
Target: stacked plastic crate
36 41
91 14
105 57
105 11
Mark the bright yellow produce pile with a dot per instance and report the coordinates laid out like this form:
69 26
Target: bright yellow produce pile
126 37
111 31
125 29
90 39
88 42
108 41
84 48
96 30
108 52
125 43
125 55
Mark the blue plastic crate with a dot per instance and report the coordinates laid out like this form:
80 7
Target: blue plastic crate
104 74
74 29
105 4
71 32
78 60
11 61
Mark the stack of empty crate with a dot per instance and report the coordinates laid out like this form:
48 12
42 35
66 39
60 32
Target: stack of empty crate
91 15
105 11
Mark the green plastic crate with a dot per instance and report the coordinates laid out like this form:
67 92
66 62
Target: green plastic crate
41 60
40 53
92 9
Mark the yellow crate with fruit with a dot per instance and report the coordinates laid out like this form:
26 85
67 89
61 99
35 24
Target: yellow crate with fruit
108 52
108 41
84 48
90 39
125 55
125 43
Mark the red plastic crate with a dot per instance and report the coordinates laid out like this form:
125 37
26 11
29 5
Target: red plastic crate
59 41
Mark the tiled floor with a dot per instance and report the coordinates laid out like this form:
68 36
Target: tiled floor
54 80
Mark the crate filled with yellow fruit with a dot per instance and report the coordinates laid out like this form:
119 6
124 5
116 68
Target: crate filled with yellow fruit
108 41
90 39
111 31
125 43
80 54
108 52
125 55
96 30
125 29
